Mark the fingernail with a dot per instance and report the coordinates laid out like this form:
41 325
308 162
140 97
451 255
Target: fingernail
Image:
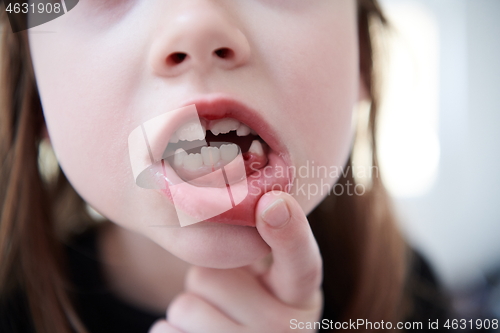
277 214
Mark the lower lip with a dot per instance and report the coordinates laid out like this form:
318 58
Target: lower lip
274 176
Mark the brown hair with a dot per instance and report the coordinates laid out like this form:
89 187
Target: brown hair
364 254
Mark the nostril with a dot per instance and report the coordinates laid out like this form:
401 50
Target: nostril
224 53
176 58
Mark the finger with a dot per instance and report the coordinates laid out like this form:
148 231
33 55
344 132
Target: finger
236 292
296 272
259 267
193 314
162 326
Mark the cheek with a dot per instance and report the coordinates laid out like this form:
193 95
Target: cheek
319 95
87 100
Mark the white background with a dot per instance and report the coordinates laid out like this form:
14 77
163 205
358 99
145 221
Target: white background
450 210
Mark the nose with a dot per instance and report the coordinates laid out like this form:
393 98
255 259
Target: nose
200 37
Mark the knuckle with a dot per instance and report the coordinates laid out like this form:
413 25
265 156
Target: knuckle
311 276
198 276
182 307
202 278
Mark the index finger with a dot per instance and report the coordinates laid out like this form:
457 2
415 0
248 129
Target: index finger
296 272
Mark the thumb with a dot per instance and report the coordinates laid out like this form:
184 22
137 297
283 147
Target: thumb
162 326
296 272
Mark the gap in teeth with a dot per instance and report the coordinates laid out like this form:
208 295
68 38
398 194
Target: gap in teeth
196 129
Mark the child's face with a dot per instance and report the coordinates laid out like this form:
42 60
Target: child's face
105 68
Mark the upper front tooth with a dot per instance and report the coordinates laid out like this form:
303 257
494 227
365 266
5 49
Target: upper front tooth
174 138
191 131
243 130
224 126
179 156
256 148
210 155
193 161
228 152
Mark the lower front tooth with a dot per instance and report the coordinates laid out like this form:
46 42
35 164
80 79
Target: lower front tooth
210 155
180 155
228 152
193 161
256 148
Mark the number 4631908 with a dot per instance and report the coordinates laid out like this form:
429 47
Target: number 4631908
40 8
471 324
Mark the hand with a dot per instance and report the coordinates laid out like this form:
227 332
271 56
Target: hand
242 300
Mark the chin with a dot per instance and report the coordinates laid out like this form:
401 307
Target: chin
215 245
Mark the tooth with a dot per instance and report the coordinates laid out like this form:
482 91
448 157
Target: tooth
215 153
193 161
191 131
228 152
210 155
243 130
174 138
205 155
224 126
180 155
256 148
253 132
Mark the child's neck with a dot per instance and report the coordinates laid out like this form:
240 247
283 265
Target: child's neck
138 270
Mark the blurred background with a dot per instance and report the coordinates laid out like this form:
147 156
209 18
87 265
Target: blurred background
440 140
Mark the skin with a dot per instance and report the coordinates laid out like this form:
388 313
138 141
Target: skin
103 72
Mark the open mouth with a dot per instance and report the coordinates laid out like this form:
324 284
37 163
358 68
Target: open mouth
200 147
212 159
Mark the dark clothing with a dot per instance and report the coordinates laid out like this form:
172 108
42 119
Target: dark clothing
102 311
